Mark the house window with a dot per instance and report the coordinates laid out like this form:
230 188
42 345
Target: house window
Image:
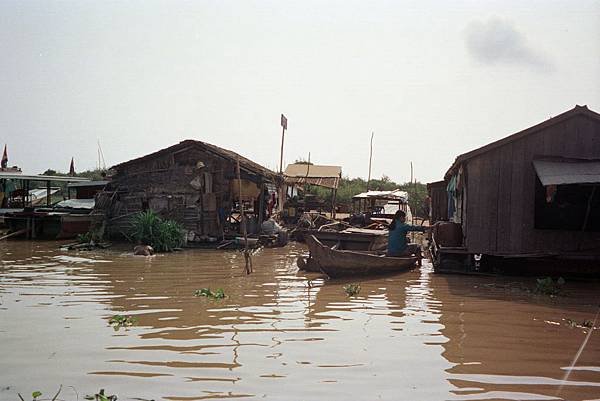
564 207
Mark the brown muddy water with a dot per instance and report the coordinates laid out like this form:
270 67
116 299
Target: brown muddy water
281 334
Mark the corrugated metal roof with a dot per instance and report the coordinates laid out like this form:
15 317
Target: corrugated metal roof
88 184
40 177
396 194
567 171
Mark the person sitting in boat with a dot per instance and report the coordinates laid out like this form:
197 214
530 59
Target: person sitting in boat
397 242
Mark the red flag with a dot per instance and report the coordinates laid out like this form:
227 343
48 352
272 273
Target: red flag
4 163
72 168
283 122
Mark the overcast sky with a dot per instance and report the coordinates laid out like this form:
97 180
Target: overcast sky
431 79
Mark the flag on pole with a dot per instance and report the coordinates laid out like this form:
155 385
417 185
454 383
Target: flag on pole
283 122
4 163
72 168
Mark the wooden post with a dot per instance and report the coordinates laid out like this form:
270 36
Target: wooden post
25 185
333 199
370 158
243 225
261 205
48 202
587 216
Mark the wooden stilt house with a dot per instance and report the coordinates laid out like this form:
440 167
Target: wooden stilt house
192 182
531 194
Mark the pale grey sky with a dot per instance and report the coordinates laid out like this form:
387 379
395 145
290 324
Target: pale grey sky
432 79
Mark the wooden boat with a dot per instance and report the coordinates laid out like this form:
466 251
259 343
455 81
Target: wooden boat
352 238
336 263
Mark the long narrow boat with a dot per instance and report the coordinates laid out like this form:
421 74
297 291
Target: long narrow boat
336 263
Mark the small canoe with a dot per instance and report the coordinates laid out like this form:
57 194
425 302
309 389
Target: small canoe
337 263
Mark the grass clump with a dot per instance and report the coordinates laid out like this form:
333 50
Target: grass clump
352 289
547 286
206 292
118 321
149 228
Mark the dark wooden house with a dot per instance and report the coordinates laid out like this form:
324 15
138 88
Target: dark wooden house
192 182
531 194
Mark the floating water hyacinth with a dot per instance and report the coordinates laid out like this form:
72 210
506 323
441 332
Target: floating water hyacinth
206 292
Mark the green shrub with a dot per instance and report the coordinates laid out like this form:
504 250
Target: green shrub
149 228
547 286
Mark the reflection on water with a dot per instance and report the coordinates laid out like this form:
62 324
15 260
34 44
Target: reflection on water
280 334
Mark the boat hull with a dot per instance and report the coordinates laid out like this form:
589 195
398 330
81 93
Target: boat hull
336 263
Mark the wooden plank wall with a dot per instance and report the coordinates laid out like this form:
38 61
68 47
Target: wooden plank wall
439 201
164 182
501 191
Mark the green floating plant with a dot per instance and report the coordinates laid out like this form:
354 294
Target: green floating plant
352 289
118 321
206 292
100 396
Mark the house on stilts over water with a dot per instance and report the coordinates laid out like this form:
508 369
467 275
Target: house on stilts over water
194 183
533 195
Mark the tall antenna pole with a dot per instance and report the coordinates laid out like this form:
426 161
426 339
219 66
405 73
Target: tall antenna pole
370 159
101 162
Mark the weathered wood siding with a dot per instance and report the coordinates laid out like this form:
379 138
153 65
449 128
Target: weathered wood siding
438 201
163 184
501 190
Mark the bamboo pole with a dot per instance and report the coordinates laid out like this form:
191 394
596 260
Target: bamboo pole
370 159
14 234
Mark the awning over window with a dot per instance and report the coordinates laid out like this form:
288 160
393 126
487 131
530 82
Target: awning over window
567 171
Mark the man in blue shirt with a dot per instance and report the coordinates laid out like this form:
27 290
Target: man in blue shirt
397 243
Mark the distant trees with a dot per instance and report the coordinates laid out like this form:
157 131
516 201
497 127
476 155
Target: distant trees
94 175
417 192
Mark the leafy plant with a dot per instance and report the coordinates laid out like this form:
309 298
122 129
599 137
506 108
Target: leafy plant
84 238
351 289
547 286
587 324
150 229
36 394
118 321
206 292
